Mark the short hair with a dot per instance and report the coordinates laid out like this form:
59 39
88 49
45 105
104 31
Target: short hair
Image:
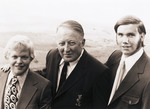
19 41
131 20
74 25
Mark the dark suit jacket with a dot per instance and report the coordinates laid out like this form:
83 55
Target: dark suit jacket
134 91
84 88
35 92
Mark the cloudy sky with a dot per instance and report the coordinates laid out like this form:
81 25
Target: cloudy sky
44 15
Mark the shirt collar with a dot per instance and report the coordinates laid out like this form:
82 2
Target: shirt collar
74 62
131 60
21 78
134 56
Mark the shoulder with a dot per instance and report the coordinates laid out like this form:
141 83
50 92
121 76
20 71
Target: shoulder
93 62
52 51
146 60
97 70
116 55
52 56
37 77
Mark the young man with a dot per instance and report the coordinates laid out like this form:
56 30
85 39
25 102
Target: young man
84 83
20 87
130 67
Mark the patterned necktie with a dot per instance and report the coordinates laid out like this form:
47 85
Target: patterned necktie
63 74
11 96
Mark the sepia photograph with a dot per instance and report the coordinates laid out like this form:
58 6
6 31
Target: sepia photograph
71 54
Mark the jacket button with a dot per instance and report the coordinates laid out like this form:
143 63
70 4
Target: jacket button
130 102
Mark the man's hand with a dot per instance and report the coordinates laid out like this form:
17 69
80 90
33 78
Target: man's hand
5 68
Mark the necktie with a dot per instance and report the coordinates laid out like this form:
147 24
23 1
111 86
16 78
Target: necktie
121 74
63 74
118 80
11 96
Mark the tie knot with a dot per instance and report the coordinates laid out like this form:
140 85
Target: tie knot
66 63
14 80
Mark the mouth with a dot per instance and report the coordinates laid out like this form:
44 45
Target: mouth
19 67
125 47
68 55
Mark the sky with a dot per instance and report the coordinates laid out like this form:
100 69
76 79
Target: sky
46 15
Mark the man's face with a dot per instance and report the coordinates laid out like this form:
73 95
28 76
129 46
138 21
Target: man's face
129 39
19 60
70 44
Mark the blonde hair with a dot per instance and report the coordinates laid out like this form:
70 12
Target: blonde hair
17 42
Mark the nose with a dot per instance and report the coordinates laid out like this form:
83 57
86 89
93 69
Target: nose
125 39
19 60
66 47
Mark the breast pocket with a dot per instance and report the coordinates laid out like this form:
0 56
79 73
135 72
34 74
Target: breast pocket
130 100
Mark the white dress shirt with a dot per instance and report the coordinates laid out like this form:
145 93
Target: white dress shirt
70 68
129 62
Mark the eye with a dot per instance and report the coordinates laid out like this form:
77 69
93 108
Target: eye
24 57
71 43
14 57
120 34
130 34
62 43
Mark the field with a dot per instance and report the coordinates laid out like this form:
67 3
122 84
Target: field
100 45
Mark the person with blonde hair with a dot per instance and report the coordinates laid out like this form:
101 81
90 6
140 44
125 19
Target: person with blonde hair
21 88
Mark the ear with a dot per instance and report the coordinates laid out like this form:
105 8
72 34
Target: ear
31 59
83 42
142 36
6 56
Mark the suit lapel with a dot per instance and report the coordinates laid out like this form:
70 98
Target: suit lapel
54 74
27 92
77 73
114 70
3 80
132 77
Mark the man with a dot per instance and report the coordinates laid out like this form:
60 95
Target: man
85 82
20 87
130 67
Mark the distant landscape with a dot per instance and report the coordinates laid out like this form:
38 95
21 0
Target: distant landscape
100 45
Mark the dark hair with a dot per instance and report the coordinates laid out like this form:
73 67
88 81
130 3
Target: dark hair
74 25
131 20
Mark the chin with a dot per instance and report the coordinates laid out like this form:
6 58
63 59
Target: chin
127 54
20 72
67 60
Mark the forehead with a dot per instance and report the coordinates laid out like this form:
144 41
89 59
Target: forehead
19 48
65 33
128 28
21 52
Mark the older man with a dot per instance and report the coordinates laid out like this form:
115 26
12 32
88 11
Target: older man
78 79
20 87
130 67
